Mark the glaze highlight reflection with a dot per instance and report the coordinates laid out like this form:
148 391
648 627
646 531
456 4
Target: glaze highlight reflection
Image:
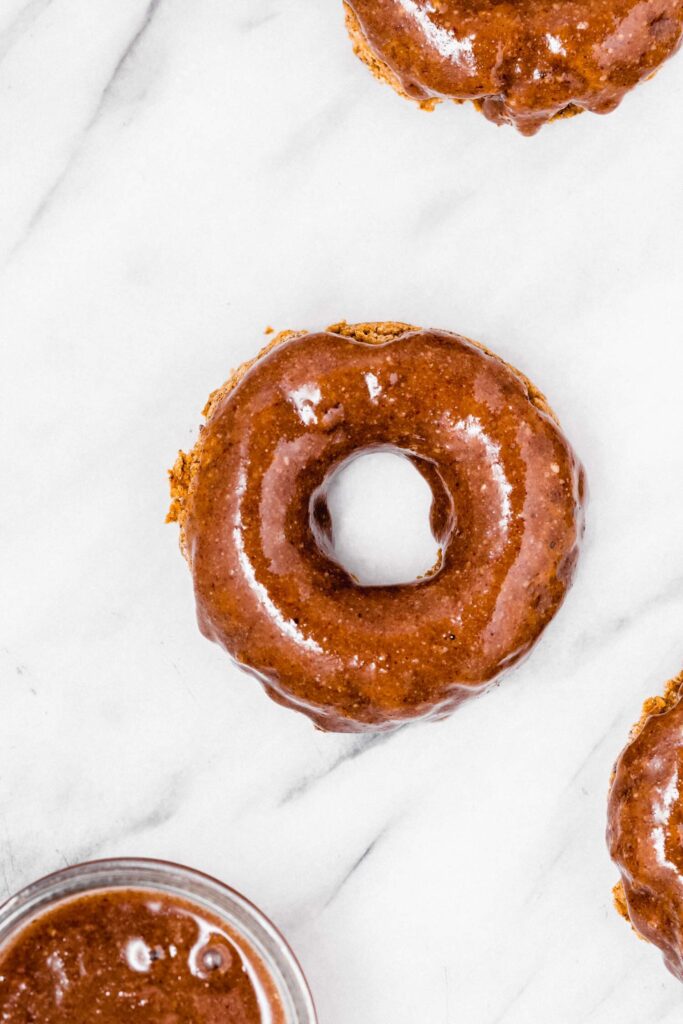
645 826
523 63
256 530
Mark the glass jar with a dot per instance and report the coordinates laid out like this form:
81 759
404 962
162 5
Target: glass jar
193 887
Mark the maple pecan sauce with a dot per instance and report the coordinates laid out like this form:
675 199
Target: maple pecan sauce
132 956
74 950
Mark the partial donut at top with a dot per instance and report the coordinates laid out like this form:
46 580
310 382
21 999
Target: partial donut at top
256 530
523 62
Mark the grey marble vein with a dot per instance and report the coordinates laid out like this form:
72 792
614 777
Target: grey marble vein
358 747
615 983
594 748
352 870
503 1014
257 21
547 869
23 21
439 210
154 817
148 821
102 104
615 624
316 131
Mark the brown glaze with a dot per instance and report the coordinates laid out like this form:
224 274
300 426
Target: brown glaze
523 62
256 530
119 956
645 826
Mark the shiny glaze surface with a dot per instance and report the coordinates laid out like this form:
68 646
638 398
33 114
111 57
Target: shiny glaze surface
128 955
507 513
526 61
645 831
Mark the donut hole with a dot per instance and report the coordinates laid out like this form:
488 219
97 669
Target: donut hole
374 517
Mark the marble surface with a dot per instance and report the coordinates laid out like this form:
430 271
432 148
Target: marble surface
174 177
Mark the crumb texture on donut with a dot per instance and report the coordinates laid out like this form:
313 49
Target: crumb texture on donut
523 64
371 333
184 468
379 68
660 704
619 900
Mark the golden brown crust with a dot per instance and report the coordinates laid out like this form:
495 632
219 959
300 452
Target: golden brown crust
183 469
380 70
658 705
372 333
619 901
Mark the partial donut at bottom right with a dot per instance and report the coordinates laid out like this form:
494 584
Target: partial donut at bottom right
645 825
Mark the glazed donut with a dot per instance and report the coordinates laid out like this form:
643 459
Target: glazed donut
645 826
256 530
522 63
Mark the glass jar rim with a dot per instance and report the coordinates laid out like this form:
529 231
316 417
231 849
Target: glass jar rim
150 874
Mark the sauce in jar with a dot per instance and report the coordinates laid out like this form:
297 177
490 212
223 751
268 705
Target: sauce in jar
133 956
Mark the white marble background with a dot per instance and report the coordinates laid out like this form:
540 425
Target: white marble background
175 176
